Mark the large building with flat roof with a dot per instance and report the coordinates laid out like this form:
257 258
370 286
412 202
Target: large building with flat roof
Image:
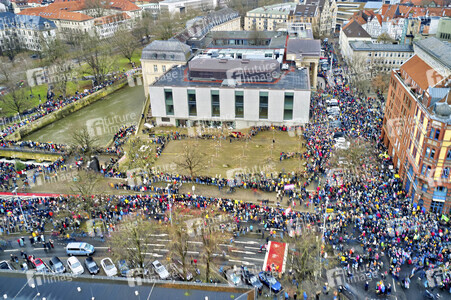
225 91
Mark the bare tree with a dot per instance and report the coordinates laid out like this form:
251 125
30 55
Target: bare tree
85 185
191 159
97 8
381 82
385 38
84 142
14 99
352 159
211 239
98 56
179 237
139 154
126 43
57 59
132 239
11 47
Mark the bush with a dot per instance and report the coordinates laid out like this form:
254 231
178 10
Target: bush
19 166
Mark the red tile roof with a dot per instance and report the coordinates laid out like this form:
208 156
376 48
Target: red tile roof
420 72
73 9
111 19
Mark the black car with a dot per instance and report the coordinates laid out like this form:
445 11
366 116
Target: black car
338 134
251 279
56 265
4 265
91 265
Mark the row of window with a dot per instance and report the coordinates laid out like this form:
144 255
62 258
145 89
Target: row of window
390 54
155 68
426 171
239 104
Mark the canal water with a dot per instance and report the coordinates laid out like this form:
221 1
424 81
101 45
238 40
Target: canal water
102 118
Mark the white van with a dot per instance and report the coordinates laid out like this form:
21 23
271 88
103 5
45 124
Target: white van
332 102
79 249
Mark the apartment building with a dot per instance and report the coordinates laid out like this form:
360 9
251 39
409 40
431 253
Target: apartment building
417 124
380 57
268 18
24 32
160 56
75 17
182 6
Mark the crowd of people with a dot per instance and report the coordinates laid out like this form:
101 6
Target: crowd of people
373 224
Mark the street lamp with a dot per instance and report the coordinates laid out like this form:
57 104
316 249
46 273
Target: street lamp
20 206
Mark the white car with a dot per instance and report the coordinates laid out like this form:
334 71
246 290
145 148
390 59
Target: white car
108 266
75 266
160 270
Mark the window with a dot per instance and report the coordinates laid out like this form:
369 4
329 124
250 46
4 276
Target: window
445 173
423 169
448 156
436 207
263 112
414 152
239 104
418 136
424 187
215 108
437 134
428 152
163 68
192 109
288 106
155 68
169 102
432 153
428 171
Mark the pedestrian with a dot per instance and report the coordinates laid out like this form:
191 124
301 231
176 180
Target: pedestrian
366 286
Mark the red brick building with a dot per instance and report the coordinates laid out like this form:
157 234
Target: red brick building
417 124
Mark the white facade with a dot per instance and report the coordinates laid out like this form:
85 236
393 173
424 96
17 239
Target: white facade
181 6
227 96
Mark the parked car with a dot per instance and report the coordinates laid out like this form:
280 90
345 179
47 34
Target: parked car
251 279
56 265
233 276
91 265
40 266
160 270
124 269
270 281
108 267
79 249
4 265
75 266
177 268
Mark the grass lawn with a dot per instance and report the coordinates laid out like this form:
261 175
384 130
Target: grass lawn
35 91
223 158
123 62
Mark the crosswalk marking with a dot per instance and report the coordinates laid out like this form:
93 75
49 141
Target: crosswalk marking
256 259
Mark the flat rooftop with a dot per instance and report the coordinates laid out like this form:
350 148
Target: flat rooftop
293 79
369 46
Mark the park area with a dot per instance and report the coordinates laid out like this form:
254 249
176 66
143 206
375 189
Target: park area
225 157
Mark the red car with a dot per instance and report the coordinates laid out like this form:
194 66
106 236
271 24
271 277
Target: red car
40 266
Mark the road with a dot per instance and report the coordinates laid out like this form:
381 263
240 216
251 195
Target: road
244 250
